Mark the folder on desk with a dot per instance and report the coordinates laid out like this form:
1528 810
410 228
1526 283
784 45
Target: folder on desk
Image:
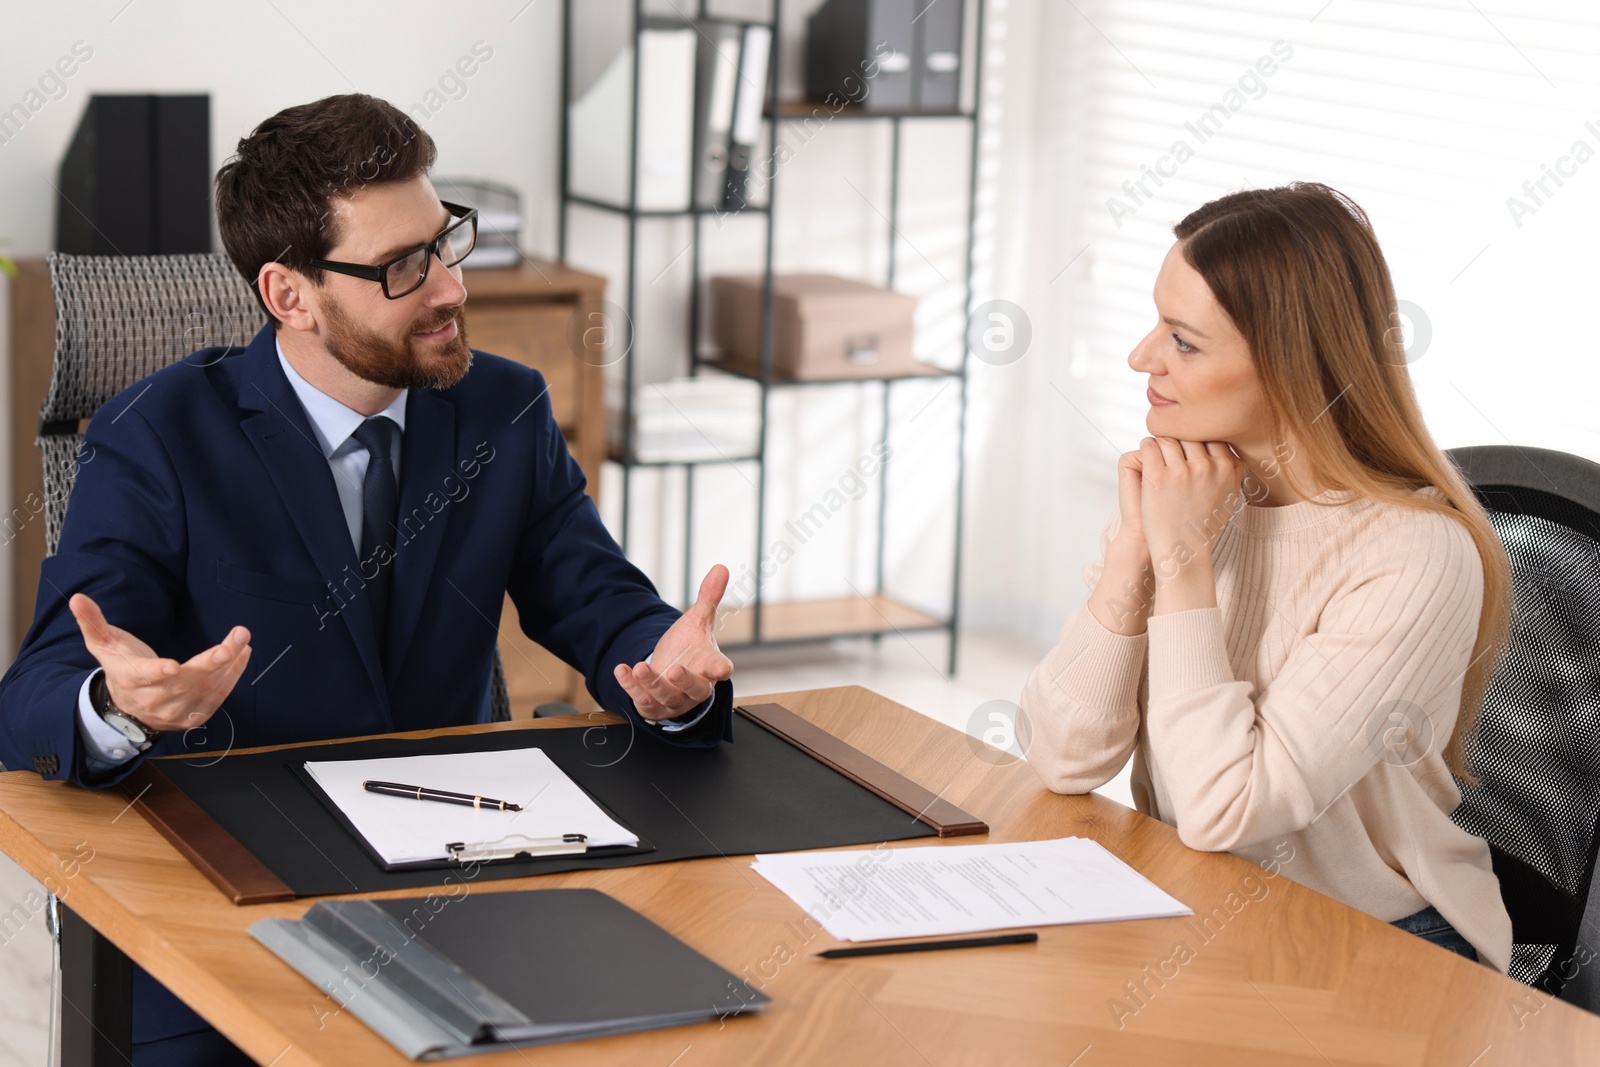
448 976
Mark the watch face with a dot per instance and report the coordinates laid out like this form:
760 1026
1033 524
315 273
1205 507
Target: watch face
127 727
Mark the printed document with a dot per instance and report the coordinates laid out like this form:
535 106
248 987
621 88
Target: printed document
872 894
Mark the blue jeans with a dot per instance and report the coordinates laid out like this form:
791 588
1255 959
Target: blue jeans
1429 925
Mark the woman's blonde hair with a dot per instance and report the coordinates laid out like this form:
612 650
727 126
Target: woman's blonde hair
1298 270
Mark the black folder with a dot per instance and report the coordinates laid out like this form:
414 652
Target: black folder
447 976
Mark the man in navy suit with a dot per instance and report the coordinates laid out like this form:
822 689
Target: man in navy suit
312 536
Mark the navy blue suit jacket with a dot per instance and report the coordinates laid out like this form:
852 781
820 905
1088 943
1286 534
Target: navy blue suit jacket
204 502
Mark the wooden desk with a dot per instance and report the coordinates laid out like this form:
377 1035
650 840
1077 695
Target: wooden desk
1288 977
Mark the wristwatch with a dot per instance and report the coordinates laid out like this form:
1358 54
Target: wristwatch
140 736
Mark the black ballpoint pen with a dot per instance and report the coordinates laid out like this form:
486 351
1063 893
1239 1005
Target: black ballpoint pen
929 946
418 792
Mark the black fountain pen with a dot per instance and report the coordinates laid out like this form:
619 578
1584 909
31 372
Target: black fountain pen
444 796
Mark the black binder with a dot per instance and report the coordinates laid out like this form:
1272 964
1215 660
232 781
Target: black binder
862 51
136 177
447 976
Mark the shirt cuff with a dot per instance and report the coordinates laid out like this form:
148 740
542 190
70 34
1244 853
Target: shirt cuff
672 726
104 748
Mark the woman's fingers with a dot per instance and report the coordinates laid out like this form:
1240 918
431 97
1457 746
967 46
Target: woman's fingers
1201 455
1171 451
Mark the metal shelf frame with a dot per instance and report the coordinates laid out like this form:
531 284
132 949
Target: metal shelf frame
775 112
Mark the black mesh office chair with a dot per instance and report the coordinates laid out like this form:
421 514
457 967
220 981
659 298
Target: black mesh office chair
120 318
1537 748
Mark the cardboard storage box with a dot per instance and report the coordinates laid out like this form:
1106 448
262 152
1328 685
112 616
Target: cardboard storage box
824 327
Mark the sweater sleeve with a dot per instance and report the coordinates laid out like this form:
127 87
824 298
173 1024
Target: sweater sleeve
1389 648
1080 706
1079 716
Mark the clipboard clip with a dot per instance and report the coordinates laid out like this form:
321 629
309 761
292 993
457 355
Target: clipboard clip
516 846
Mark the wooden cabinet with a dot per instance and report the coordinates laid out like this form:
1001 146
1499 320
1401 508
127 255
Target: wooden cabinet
33 346
533 314
527 313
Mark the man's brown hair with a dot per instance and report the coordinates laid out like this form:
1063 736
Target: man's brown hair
277 197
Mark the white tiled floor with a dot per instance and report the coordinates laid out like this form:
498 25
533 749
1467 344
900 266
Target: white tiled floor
907 669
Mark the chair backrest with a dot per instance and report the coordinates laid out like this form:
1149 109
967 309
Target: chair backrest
1536 751
122 318
119 319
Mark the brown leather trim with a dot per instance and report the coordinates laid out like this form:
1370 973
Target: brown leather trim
891 785
216 853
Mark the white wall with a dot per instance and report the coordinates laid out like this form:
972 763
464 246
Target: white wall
255 59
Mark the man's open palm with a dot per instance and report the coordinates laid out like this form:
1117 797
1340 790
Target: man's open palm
161 693
686 663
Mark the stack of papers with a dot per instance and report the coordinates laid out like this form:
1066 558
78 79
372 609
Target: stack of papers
869 895
402 830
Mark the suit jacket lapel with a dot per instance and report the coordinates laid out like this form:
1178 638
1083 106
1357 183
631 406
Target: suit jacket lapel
427 458
282 437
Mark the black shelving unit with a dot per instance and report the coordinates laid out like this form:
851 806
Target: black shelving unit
776 624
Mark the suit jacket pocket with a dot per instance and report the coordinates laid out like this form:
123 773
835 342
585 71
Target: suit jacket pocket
270 586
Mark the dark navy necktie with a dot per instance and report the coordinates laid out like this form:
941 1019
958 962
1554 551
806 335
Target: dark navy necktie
380 500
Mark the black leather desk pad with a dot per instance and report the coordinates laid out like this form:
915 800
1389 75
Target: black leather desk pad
756 794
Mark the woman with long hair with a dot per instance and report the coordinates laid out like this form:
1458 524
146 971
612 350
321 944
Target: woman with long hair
1300 600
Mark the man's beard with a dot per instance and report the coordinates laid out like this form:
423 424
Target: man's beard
396 364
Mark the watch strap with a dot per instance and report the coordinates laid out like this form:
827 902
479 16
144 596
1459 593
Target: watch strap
100 698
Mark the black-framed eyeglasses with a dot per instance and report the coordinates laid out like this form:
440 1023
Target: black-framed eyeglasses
405 273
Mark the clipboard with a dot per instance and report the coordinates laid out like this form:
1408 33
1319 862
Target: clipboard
515 847
460 854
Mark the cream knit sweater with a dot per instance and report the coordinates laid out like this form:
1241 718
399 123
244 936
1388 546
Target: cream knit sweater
1274 725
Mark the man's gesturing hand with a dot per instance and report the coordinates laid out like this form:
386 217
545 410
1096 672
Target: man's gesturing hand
686 663
163 694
